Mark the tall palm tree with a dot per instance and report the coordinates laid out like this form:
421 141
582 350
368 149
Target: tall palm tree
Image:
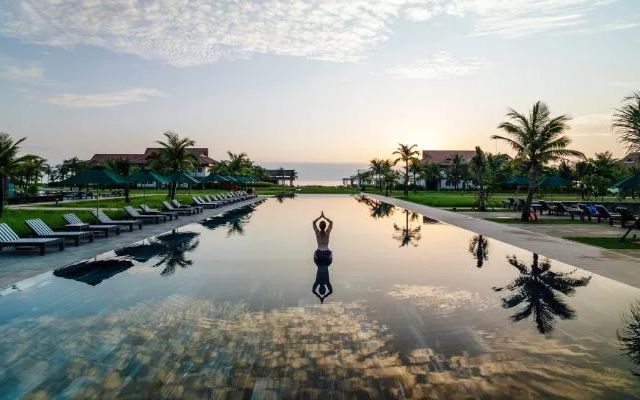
175 156
123 167
431 173
415 168
376 166
479 248
539 290
479 170
9 161
626 122
405 153
457 170
407 234
389 175
538 139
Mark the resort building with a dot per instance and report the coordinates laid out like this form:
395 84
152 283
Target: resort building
145 159
630 160
444 159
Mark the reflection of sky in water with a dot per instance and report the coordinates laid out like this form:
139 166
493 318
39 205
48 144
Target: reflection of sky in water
236 317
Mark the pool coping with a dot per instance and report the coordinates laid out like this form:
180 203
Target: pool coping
607 263
15 267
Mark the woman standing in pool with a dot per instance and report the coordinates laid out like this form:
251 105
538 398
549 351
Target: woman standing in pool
322 257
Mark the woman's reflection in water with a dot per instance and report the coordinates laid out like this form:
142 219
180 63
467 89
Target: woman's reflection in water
322 257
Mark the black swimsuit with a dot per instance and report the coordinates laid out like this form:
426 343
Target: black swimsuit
323 257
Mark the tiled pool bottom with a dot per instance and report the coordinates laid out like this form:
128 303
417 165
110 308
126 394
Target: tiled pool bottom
225 309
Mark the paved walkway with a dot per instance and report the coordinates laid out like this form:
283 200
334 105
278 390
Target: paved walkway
15 266
607 263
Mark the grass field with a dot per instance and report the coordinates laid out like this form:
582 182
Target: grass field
15 218
607 242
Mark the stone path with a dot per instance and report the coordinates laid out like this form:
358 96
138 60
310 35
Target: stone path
611 264
15 266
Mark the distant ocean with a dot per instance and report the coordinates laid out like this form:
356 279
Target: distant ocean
322 174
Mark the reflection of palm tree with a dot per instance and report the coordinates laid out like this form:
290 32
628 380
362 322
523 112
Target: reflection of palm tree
538 289
479 247
629 334
236 226
234 220
167 250
377 209
408 234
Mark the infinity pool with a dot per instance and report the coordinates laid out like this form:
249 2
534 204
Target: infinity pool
225 309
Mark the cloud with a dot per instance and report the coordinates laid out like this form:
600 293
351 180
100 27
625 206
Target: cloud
440 66
194 32
592 125
17 73
100 100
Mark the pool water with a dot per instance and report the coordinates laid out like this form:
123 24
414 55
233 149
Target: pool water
225 309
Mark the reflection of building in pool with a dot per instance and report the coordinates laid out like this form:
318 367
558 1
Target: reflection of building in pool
539 293
181 347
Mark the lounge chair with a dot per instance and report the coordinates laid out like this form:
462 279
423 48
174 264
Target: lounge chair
146 210
608 215
589 211
177 204
104 219
564 209
75 223
185 211
133 213
217 199
626 216
201 203
9 238
42 230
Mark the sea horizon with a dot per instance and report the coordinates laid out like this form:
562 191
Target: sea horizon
317 173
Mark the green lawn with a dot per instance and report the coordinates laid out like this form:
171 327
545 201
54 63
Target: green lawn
544 220
15 218
607 242
461 199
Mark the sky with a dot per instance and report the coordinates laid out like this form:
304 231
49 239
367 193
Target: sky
309 81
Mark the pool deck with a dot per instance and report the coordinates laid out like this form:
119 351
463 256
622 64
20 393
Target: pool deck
18 265
612 264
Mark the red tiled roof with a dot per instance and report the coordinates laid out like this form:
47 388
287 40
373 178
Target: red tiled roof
443 157
202 154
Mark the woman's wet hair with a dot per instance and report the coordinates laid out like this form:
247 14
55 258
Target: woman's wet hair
322 225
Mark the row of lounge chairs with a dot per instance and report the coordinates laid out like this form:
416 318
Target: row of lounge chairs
78 231
583 211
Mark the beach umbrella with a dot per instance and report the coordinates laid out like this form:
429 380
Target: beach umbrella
145 177
99 176
181 178
516 181
216 178
553 181
630 182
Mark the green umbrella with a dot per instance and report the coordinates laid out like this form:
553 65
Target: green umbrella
215 178
553 181
630 182
99 176
182 177
516 181
145 177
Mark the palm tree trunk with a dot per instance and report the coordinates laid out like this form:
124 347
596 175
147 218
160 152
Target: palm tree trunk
533 179
406 178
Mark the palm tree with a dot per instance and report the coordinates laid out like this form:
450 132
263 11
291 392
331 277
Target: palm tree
626 122
9 161
431 173
175 156
479 169
538 139
479 248
376 166
539 290
415 168
405 153
123 167
172 250
408 235
457 170
389 175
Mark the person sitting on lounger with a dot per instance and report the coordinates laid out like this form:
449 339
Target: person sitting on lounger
323 257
